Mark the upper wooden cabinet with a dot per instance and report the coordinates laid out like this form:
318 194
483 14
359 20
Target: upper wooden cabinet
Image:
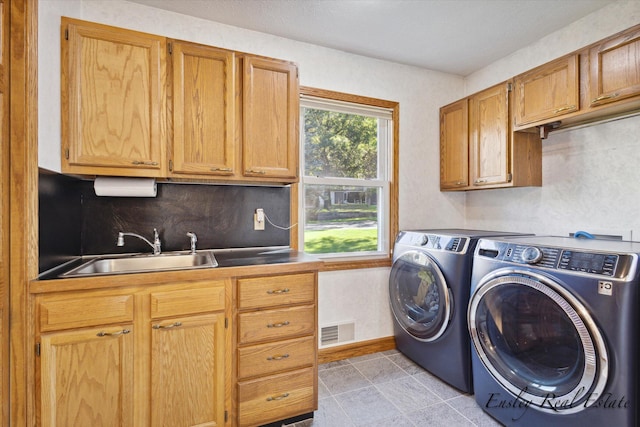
270 96
614 69
113 100
489 136
597 82
136 104
497 157
547 92
454 145
203 110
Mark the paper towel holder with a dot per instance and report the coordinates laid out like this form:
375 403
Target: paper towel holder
106 186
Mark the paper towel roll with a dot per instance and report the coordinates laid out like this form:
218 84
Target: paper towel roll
125 187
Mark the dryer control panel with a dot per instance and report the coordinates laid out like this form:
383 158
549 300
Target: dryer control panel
617 265
456 244
556 258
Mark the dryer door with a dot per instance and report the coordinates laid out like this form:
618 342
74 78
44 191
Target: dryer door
420 299
538 341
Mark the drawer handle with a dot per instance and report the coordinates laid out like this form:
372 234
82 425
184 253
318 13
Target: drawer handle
278 291
278 325
220 169
560 110
603 97
278 357
255 171
479 181
112 334
138 163
282 396
173 325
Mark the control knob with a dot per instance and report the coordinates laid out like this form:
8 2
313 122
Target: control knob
424 240
531 255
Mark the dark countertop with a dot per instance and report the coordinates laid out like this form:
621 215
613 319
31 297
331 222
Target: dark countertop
236 257
259 256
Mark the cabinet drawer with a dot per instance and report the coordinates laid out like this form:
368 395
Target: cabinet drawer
277 397
80 310
276 324
266 359
193 298
258 292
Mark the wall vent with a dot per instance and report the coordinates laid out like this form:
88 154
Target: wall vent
336 334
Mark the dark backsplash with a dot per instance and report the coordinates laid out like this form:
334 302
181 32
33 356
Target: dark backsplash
74 221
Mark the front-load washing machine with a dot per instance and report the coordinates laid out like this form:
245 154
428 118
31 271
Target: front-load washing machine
428 291
554 327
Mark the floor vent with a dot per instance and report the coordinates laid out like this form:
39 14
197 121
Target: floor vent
336 334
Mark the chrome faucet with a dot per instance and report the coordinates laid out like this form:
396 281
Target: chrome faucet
194 239
156 245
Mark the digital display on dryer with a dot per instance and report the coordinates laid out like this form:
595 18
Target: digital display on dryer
592 263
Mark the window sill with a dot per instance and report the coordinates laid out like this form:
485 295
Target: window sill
352 263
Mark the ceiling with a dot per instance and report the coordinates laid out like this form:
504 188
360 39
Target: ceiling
453 36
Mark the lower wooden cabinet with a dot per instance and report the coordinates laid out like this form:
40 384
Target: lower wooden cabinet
154 356
277 371
87 377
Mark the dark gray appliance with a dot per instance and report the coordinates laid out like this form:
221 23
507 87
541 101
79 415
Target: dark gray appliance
554 327
428 291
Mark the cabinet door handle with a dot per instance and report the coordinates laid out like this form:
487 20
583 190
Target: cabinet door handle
278 357
560 110
112 334
255 171
479 181
278 291
460 183
280 397
603 97
173 325
220 169
139 163
278 325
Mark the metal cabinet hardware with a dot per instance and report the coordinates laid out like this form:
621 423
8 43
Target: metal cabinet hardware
278 357
220 169
282 396
142 163
173 325
560 110
603 97
112 334
278 325
255 171
278 291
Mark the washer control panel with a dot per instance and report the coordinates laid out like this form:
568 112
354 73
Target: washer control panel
434 241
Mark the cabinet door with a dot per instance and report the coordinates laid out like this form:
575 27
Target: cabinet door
548 91
614 69
270 119
203 109
113 100
489 121
454 146
87 377
187 371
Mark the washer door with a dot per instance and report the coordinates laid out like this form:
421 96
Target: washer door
538 341
419 296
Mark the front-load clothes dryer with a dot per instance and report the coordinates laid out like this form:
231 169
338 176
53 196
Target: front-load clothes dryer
554 327
428 290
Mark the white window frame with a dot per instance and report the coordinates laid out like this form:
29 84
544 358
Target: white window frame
387 173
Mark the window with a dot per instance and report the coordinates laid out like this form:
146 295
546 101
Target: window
348 194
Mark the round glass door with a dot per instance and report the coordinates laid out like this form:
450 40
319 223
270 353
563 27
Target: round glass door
419 297
538 341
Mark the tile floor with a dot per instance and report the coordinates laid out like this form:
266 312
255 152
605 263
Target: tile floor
387 389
